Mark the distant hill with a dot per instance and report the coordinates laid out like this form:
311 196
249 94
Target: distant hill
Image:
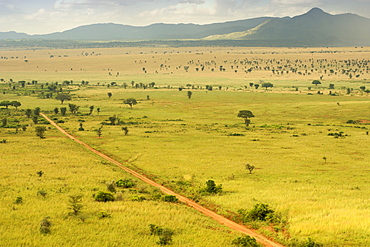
314 28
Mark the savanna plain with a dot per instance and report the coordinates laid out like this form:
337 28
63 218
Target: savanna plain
173 115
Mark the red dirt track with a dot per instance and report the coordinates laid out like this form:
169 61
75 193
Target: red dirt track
222 220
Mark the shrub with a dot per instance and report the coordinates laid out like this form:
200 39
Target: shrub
104 197
169 198
245 241
260 212
125 183
111 188
155 230
45 225
166 237
212 188
103 215
19 200
310 243
138 198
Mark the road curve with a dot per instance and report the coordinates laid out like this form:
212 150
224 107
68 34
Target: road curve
219 218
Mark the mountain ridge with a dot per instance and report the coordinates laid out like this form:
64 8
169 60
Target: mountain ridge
313 28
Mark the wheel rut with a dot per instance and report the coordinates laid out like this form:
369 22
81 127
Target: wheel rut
219 218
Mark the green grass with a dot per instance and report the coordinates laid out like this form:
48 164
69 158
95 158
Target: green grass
179 141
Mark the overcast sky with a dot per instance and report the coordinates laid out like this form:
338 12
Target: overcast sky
47 16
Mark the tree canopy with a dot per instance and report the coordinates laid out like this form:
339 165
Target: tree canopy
130 102
63 97
245 114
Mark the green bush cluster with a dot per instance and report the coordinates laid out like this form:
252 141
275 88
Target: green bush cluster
125 183
245 241
104 196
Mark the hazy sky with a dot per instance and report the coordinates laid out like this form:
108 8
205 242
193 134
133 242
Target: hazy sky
47 16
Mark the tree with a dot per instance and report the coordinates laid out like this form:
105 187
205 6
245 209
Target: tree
110 94
75 203
99 131
130 102
331 86
56 110
246 114
249 167
63 110
40 131
16 104
212 188
73 108
125 129
189 94
256 86
267 85
37 111
28 113
316 82
91 109
5 103
63 97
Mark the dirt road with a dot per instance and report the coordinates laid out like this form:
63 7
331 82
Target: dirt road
222 220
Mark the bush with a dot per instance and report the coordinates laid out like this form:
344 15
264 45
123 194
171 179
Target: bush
103 215
310 243
104 197
19 200
212 188
155 230
169 198
138 198
245 241
125 183
260 212
166 237
45 225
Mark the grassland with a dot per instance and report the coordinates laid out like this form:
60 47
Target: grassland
184 142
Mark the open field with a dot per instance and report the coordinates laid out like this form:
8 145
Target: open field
311 166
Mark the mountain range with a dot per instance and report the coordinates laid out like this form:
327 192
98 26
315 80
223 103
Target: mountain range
314 28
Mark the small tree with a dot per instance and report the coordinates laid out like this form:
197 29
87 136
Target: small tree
245 114
35 119
75 203
267 85
16 104
28 113
125 129
110 95
99 131
73 108
249 167
91 109
316 82
63 111
212 188
40 131
189 94
63 97
56 110
37 111
130 102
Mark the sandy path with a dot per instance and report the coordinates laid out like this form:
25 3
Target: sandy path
222 220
